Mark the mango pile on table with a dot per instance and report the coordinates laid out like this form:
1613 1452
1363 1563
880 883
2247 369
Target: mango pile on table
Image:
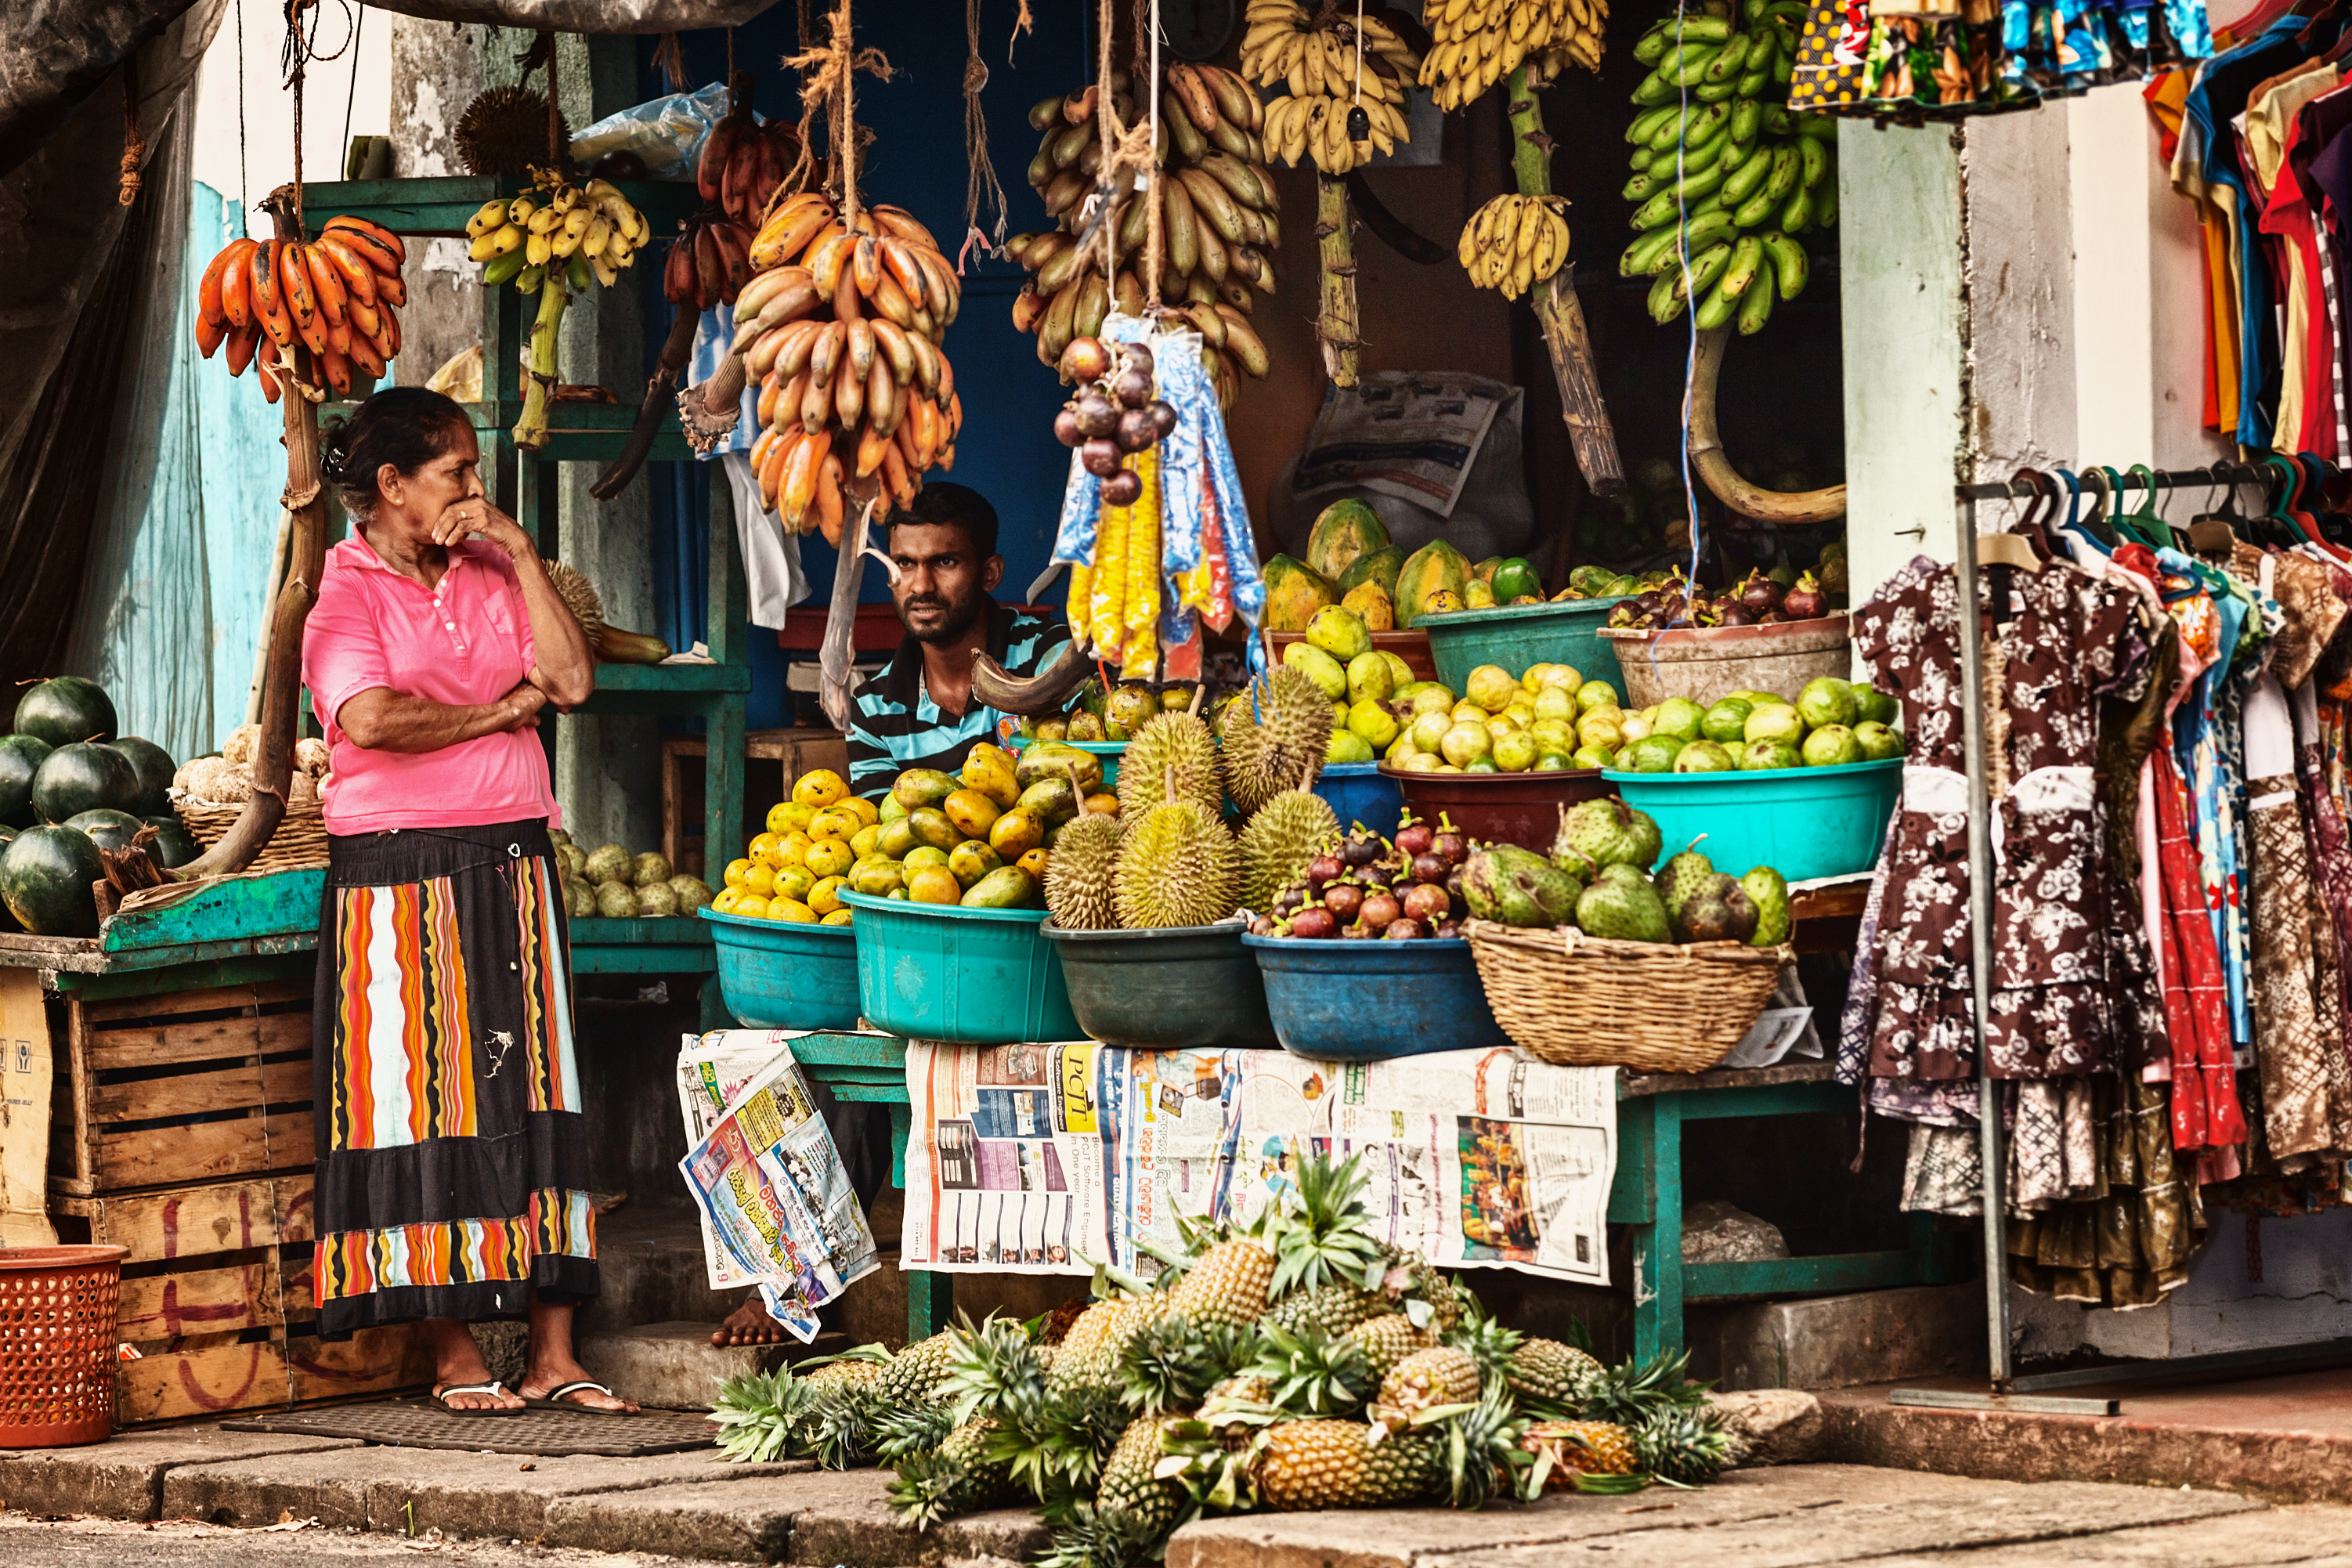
796 866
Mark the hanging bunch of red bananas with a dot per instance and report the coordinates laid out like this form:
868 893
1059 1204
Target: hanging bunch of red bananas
742 164
840 328
334 295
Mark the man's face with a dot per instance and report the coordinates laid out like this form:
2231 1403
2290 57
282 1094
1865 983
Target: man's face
941 580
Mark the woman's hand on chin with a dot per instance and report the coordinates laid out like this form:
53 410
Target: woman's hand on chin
475 514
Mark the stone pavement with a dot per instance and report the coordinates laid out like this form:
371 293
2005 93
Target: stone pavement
500 1509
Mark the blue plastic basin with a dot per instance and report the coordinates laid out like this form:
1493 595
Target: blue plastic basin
1801 822
969 977
775 974
1360 791
1370 1000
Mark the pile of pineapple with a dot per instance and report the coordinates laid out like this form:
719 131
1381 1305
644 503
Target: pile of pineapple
1297 1362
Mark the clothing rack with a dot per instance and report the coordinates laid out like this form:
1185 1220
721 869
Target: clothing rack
2037 1394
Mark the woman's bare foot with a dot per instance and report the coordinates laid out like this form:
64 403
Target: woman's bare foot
457 1361
749 1324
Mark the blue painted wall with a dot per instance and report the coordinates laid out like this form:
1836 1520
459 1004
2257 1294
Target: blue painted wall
917 161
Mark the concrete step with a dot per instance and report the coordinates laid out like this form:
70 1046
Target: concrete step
2284 1439
674 1366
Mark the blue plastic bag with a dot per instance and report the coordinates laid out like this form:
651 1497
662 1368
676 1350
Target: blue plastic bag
667 133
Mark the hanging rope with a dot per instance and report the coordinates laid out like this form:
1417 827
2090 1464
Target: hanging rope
669 58
1127 150
351 94
134 146
1023 22
559 155
828 87
980 186
244 189
1154 262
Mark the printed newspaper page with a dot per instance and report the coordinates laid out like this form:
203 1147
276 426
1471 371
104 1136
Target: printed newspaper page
1050 1158
1413 436
777 1208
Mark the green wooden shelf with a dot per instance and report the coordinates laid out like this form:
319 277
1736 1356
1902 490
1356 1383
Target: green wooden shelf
438 208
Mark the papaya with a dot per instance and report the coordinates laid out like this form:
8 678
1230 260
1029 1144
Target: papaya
1379 566
1294 592
1369 603
1485 571
1435 567
1347 531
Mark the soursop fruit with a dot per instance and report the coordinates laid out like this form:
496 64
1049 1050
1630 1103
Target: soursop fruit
1603 832
1519 887
1623 909
1718 910
1769 891
1681 878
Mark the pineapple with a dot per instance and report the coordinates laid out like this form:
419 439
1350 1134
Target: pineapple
1581 1448
1682 1443
1548 1373
1304 1465
908 1428
914 1375
1088 1355
1426 1380
1171 1363
1091 1537
759 1415
1128 1488
957 1477
1627 1393
1334 1309
1228 1284
991 1369
1311 1375
1481 1450
1386 1340
1323 1233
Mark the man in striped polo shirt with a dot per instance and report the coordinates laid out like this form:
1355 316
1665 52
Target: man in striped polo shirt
918 712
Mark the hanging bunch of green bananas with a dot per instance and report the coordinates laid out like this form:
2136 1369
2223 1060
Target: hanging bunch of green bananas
520 238
1724 175
557 240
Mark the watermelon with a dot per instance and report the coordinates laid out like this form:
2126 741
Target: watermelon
1294 592
1345 531
82 777
106 827
66 709
20 757
174 846
154 767
45 879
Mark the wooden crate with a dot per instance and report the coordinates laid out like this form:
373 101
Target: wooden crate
189 1087
772 758
217 1303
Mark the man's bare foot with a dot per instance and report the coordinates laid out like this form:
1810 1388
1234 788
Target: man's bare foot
749 1324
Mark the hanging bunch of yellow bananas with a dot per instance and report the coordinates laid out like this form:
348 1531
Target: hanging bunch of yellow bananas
555 240
1480 42
1328 69
1514 243
555 221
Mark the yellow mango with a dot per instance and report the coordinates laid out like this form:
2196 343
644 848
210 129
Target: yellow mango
1016 833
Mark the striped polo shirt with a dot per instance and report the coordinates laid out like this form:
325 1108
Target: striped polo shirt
898 726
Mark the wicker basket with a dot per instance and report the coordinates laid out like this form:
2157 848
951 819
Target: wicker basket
300 840
1586 1000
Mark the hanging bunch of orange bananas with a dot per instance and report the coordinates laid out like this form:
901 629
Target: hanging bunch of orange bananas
333 296
1219 222
840 328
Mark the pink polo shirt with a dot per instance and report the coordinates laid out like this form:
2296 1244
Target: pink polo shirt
467 642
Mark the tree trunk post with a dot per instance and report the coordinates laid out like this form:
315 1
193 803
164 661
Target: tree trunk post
1557 307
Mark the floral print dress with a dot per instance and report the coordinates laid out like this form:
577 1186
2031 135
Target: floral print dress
2062 1004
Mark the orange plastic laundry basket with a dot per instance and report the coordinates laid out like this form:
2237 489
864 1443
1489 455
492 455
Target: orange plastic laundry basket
57 1312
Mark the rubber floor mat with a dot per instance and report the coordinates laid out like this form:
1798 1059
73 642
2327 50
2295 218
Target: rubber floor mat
419 1424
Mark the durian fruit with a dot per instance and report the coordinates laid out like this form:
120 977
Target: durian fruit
1172 749
1287 831
1080 871
504 131
1277 740
578 596
1177 866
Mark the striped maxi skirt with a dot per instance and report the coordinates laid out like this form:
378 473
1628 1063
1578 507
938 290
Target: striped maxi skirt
453 1161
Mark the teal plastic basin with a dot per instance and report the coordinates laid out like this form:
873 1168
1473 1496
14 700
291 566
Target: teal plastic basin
1370 1001
1108 750
1361 791
1801 822
1518 635
969 977
777 975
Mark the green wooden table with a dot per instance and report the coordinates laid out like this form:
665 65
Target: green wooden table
1646 1194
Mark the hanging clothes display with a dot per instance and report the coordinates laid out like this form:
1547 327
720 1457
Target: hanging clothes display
2169 1023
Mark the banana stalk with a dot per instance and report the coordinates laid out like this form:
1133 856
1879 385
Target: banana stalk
531 429
1335 326
1779 507
1566 338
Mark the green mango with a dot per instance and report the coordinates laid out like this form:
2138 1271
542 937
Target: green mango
1006 887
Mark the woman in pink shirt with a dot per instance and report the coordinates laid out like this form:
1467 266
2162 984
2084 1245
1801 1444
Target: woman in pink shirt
453 1162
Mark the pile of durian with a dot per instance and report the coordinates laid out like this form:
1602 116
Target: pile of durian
1168 858
225 777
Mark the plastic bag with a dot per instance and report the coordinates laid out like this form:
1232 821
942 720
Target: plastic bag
667 133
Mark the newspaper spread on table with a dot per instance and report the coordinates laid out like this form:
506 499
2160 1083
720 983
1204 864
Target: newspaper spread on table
1046 1159
777 1208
